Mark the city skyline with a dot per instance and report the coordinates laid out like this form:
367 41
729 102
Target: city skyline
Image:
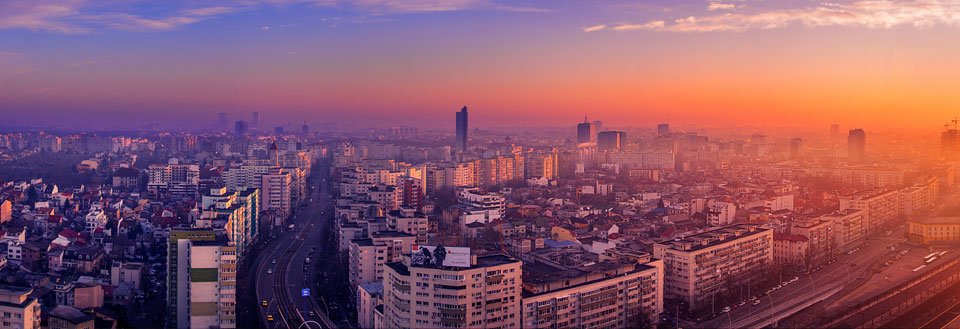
707 63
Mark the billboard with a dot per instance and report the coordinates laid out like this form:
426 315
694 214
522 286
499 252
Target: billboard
435 256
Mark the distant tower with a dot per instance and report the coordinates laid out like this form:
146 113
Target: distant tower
222 120
586 132
834 130
611 140
462 128
857 146
796 148
950 141
305 129
663 130
256 121
240 128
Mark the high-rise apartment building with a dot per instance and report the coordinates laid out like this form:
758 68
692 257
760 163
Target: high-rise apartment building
857 146
604 295
882 207
276 192
701 269
611 140
255 124
201 280
462 130
482 293
235 213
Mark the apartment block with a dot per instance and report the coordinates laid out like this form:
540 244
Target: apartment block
603 295
881 206
486 294
368 256
704 266
201 280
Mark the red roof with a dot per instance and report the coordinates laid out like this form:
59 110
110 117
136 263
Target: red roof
69 234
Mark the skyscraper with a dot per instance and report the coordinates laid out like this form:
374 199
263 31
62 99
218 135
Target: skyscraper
663 130
834 130
256 121
586 132
240 128
462 129
796 148
857 146
610 140
950 142
222 121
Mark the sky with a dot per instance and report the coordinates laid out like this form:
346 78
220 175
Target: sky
875 64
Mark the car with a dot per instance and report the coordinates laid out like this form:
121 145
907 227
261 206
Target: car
273 262
270 317
311 314
756 302
742 303
725 309
269 271
264 303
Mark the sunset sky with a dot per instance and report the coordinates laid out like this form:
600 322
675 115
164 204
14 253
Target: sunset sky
875 64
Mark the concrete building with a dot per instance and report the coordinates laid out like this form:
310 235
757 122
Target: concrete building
586 132
941 231
236 213
201 280
369 297
704 267
173 179
857 146
18 309
409 220
603 295
848 228
611 140
486 294
276 192
881 206
479 207
367 257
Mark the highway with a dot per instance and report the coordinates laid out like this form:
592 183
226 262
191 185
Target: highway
846 270
282 271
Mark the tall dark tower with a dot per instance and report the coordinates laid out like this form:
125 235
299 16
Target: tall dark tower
663 130
950 141
586 132
240 128
857 146
462 129
256 121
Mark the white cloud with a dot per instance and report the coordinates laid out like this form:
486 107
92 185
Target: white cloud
595 28
720 6
859 14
